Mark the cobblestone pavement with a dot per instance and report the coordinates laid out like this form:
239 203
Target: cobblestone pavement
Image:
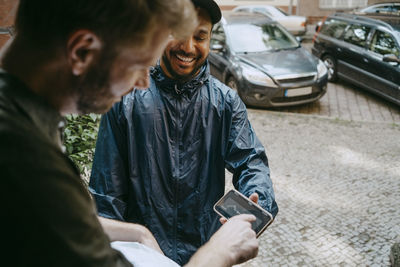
348 102
337 184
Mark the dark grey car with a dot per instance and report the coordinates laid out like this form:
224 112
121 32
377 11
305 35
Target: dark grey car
363 51
264 62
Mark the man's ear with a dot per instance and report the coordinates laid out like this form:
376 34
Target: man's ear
82 48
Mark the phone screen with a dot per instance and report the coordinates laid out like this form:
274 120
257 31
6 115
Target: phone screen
234 203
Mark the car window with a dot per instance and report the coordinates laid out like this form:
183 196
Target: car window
374 9
243 9
357 35
252 38
383 43
333 28
383 9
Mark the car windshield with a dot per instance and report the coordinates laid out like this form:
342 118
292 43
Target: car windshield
252 38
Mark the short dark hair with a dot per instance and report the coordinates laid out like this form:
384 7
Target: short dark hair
45 22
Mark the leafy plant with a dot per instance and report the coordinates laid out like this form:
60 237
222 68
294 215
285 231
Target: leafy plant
80 136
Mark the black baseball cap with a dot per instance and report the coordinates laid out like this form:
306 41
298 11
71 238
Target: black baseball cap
211 7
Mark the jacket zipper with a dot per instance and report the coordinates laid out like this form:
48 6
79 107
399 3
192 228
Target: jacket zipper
177 175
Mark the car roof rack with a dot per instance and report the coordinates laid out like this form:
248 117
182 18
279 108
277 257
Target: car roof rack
364 19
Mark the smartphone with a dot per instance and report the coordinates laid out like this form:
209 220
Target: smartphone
234 203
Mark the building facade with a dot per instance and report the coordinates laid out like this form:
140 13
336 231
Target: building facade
314 10
7 13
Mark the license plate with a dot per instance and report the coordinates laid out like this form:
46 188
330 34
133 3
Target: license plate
298 91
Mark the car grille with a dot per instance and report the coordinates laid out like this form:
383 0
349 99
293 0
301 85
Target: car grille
301 78
295 98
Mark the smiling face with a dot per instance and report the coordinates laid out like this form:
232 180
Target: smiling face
182 59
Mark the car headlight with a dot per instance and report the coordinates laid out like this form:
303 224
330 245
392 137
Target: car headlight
321 68
257 77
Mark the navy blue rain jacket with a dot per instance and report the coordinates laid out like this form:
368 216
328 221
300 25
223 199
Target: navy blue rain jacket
161 155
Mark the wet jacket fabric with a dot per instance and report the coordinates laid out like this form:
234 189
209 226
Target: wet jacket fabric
48 216
161 155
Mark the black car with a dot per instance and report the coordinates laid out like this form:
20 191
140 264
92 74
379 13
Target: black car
265 63
363 51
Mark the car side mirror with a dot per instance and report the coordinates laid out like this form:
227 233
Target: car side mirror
391 58
217 47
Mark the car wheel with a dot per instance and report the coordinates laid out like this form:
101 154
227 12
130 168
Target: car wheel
330 63
232 83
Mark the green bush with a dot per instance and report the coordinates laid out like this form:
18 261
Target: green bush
80 136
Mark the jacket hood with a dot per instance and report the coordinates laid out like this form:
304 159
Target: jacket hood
177 87
284 62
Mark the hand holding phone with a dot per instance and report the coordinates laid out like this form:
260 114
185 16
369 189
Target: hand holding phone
234 203
234 243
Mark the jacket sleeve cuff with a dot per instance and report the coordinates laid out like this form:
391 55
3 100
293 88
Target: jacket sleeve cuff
109 207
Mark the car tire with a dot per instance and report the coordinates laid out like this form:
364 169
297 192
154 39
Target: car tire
330 63
233 83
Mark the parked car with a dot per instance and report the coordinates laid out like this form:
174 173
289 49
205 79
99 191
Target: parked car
383 8
264 62
363 51
294 24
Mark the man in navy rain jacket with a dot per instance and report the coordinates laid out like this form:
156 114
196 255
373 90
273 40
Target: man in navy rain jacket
161 153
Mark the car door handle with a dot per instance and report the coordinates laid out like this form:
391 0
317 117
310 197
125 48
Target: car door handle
365 60
339 49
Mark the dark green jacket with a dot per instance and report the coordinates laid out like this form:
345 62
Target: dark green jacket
47 215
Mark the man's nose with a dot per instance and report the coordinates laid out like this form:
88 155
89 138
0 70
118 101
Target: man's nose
143 80
187 45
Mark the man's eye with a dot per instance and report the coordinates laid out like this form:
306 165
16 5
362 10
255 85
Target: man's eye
199 38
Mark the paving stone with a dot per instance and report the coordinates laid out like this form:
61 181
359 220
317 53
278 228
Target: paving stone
335 197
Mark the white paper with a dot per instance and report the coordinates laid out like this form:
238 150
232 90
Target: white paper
142 256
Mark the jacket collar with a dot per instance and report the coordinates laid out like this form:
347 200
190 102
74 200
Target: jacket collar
47 119
178 88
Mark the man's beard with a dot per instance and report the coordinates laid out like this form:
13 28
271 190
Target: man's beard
177 76
93 88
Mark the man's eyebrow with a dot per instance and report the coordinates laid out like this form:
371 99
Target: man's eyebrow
202 31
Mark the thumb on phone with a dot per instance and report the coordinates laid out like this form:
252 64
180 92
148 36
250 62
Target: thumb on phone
254 197
222 220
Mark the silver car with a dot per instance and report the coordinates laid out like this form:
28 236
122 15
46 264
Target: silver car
264 62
